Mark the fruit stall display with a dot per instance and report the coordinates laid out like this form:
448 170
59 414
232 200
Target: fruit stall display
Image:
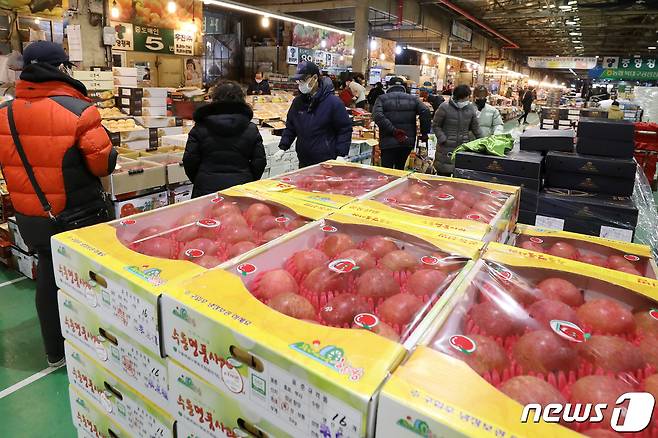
531 328
333 308
332 183
630 258
124 266
477 210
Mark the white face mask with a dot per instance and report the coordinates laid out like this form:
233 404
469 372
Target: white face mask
307 87
463 104
258 81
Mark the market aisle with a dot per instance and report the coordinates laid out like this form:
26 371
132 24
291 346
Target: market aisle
533 120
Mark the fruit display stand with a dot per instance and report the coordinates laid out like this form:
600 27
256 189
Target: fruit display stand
631 258
121 268
306 330
527 328
426 204
332 183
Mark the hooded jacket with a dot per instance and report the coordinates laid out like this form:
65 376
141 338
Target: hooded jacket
490 121
452 126
224 148
398 110
320 124
65 144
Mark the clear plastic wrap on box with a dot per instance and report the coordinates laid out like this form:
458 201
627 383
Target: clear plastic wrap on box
630 258
543 330
646 231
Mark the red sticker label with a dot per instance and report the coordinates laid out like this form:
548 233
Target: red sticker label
430 260
462 343
208 223
382 178
281 219
335 179
444 197
536 240
390 200
569 331
506 275
343 266
474 217
632 258
246 268
654 313
286 179
194 253
329 229
128 222
217 200
366 320
326 166
495 193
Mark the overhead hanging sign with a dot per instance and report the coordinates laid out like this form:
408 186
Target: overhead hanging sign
153 39
295 55
292 55
312 38
619 68
576 62
462 31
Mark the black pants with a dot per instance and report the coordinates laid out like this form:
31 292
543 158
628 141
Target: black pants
362 104
46 303
526 111
395 158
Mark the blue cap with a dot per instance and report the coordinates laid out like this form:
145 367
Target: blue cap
46 52
305 68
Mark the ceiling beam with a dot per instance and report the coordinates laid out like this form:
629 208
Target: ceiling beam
287 6
581 14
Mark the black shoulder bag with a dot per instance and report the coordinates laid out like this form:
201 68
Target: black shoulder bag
71 218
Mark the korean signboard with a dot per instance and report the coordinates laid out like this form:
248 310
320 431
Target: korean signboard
295 55
153 39
626 68
577 62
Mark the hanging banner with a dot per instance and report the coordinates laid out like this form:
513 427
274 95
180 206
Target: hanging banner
577 62
620 68
153 39
295 55
462 31
311 38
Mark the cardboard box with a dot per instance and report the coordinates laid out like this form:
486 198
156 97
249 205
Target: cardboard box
606 147
332 183
590 183
525 164
177 140
529 187
125 81
554 113
282 366
424 210
139 93
616 231
128 136
98 85
91 331
140 102
25 263
92 75
557 162
181 193
115 398
125 71
527 217
621 131
140 204
15 236
133 176
174 164
150 111
90 421
97 265
547 140
158 122
139 145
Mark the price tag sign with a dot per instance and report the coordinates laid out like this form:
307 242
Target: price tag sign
183 43
153 39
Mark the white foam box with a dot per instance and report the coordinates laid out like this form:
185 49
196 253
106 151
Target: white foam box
137 145
98 85
174 130
153 111
15 236
117 352
140 204
141 92
93 75
134 176
181 194
125 81
156 122
90 421
24 263
173 164
125 71
115 398
179 140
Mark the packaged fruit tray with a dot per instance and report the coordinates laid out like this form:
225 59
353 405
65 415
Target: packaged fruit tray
122 267
621 256
332 183
473 209
331 309
532 328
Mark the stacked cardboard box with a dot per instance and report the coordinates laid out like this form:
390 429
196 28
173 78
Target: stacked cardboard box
98 82
24 260
544 140
125 76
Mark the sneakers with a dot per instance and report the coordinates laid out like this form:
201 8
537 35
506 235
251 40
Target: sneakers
57 363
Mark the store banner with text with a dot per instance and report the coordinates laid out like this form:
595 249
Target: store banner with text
620 68
154 13
295 55
153 39
311 38
577 62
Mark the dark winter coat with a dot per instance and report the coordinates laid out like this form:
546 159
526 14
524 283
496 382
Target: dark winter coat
224 148
320 124
374 94
452 127
256 88
398 110
526 101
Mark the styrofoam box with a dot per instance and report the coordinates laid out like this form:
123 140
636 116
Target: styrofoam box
125 81
15 235
98 85
25 263
125 71
179 140
182 193
93 75
156 122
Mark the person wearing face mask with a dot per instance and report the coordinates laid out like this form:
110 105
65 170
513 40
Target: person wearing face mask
53 149
317 119
259 86
453 122
489 118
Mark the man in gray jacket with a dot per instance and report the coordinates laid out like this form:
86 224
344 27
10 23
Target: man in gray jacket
452 123
395 113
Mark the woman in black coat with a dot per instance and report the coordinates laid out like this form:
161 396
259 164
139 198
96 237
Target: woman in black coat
224 148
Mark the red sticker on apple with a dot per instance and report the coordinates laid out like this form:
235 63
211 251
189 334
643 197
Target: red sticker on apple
329 229
326 166
128 222
632 258
217 200
382 178
246 268
391 200
462 343
654 313
430 260
343 266
194 253
444 197
474 217
366 320
505 275
208 223
281 219
495 193
286 179
569 331
335 179
536 240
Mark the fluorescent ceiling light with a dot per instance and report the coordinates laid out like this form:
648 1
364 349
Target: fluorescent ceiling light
578 47
529 4
570 23
254 10
652 47
572 2
432 52
564 7
575 33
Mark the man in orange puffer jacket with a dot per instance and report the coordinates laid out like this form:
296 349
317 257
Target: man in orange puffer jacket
68 149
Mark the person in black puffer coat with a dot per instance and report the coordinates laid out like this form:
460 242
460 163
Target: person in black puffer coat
224 148
395 113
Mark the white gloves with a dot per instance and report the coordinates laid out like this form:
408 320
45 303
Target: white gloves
278 155
341 159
